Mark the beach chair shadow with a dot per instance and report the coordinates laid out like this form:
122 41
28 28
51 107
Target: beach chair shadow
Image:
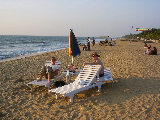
44 82
87 78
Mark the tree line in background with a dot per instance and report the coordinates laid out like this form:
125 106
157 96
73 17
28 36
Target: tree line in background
153 35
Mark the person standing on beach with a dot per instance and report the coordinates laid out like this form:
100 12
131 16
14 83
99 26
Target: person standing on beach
96 61
49 71
93 42
88 43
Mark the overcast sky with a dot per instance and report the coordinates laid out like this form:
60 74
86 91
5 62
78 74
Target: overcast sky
87 18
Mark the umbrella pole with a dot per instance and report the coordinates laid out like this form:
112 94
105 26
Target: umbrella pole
72 59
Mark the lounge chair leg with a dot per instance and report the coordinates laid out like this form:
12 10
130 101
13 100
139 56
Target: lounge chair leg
57 96
49 88
31 86
113 83
48 85
68 79
99 88
71 98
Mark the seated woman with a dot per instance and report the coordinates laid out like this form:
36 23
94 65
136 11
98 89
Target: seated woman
50 70
148 51
96 61
154 51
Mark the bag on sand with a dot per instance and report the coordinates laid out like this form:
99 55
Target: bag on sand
59 83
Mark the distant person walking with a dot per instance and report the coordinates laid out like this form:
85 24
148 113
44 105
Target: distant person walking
93 42
88 43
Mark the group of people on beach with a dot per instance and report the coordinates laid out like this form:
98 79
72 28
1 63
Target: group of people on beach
49 72
52 70
87 47
106 42
150 50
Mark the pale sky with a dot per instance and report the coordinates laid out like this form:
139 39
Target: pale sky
87 18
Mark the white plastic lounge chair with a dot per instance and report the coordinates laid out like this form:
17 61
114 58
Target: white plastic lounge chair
86 79
107 76
45 81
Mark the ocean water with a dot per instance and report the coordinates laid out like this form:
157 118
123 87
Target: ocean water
18 45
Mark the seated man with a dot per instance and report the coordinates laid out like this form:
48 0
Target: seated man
154 51
96 61
50 70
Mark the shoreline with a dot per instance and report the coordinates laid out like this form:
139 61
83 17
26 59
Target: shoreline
135 94
27 55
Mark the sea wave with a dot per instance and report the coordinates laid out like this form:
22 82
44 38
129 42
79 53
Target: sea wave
14 46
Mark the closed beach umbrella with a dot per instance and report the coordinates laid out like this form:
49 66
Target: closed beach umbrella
73 45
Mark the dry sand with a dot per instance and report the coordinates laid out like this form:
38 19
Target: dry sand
135 95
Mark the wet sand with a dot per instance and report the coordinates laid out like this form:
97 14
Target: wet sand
135 94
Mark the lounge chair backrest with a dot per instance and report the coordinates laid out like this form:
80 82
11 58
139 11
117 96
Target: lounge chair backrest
88 75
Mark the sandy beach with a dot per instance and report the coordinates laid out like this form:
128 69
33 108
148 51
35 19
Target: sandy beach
134 96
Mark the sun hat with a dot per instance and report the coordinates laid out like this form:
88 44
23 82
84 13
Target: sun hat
95 54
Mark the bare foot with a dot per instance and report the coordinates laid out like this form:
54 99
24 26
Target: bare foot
38 80
49 80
